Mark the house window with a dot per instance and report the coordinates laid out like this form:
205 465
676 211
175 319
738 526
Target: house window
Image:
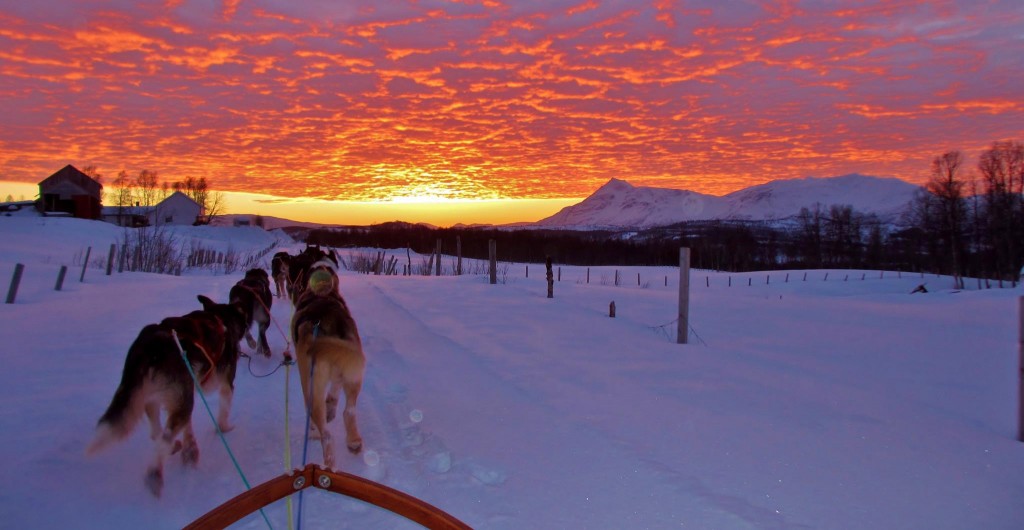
169 219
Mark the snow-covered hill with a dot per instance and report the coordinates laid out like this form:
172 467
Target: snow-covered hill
619 204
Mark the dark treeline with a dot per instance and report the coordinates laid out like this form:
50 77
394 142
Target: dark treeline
837 237
527 246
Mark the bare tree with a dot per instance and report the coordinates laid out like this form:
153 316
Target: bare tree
123 194
950 208
810 236
211 202
147 187
1002 173
94 173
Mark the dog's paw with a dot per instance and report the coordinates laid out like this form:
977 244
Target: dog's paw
155 481
190 455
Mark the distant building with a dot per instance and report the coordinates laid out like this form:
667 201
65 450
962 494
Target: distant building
133 216
176 209
71 192
9 208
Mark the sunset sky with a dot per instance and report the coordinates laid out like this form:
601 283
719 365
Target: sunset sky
443 111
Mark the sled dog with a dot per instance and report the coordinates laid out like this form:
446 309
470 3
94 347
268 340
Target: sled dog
155 378
330 357
252 293
279 266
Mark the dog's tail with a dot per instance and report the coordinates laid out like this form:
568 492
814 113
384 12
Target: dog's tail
128 403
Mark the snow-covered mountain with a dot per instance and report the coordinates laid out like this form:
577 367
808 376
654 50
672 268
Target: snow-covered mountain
620 204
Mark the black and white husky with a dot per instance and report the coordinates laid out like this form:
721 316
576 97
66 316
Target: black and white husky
253 294
156 378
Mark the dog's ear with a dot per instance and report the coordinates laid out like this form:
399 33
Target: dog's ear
207 303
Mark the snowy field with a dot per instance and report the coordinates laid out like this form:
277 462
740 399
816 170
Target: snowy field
838 404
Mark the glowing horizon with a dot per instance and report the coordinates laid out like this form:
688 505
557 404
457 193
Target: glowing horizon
405 104
435 211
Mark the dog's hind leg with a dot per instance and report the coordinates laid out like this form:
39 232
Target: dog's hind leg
153 415
263 323
352 438
227 393
332 401
179 416
249 338
318 415
190 449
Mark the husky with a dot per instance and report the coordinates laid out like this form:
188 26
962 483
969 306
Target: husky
279 270
252 293
155 377
330 357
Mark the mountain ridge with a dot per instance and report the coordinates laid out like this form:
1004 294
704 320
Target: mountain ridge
620 204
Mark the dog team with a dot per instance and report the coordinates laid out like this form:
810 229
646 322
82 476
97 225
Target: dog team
156 379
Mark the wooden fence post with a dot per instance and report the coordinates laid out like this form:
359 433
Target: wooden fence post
437 266
492 250
588 275
611 309
88 252
458 252
684 296
1020 356
12 293
110 259
60 278
550 277
527 270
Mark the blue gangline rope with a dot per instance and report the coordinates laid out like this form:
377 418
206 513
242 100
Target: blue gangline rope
305 441
220 434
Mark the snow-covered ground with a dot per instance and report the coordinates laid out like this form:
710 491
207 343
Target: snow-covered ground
844 403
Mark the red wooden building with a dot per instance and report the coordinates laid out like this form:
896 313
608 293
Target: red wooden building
73 192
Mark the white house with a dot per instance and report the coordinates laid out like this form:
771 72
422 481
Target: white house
176 209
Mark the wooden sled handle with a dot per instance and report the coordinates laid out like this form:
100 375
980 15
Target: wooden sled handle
335 481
